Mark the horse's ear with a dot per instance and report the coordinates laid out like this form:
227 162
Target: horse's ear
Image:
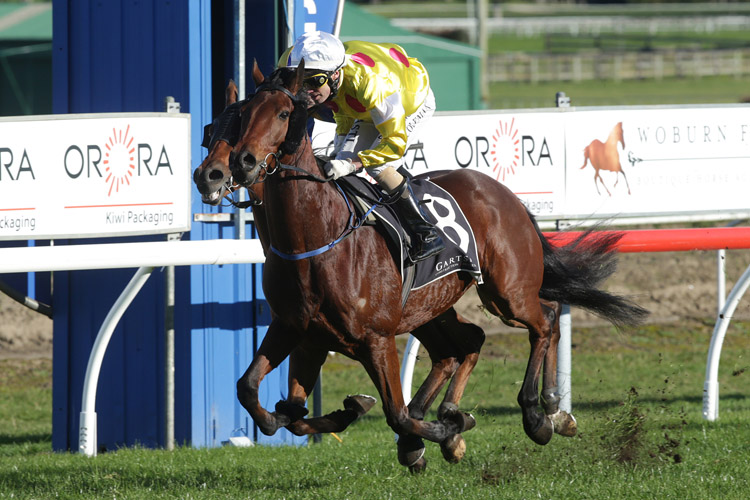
299 76
230 95
257 74
298 120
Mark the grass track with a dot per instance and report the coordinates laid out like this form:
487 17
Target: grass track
674 455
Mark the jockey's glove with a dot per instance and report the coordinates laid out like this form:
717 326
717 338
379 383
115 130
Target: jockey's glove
338 168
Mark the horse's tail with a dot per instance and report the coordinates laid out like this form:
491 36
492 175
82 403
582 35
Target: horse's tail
585 157
573 273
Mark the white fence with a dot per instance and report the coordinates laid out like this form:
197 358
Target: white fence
577 25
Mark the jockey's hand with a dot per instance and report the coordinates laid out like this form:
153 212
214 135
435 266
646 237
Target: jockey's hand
339 168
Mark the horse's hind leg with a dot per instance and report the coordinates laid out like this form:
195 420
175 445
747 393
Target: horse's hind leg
565 424
526 309
304 368
597 179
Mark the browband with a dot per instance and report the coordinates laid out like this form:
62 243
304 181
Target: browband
272 86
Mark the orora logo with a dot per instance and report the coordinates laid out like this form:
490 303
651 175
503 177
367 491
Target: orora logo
118 161
505 150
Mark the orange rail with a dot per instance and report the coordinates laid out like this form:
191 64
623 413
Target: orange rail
670 240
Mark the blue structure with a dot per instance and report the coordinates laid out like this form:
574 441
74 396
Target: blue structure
127 57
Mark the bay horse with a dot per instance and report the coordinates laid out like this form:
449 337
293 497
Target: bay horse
604 156
348 299
452 342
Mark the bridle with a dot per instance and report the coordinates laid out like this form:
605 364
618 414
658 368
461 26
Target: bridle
288 147
226 131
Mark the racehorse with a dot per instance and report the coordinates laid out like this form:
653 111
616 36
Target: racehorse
452 342
604 156
348 299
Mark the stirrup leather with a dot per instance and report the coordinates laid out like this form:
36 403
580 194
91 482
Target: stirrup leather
425 239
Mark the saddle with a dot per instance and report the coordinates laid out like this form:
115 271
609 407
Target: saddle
460 253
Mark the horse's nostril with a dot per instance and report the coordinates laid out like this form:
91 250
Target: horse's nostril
215 175
247 160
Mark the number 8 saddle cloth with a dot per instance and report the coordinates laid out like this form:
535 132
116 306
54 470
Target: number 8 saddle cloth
460 254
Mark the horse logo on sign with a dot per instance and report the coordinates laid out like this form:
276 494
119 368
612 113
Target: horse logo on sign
605 156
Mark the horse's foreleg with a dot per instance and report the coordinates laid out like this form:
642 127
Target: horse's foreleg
433 339
453 346
454 448
382 364
621 171
411 447
469 338
275 347
304 368
564 423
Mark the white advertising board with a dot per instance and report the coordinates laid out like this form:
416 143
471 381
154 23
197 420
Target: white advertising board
524 151
579 163
676 160
76 176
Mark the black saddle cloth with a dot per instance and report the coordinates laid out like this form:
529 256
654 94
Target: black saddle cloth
460 253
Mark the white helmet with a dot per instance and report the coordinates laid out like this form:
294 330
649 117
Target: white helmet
320 50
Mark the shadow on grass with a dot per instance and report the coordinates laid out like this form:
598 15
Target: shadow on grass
24 439
609 404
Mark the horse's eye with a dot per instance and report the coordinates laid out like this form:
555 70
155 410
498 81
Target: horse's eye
284 115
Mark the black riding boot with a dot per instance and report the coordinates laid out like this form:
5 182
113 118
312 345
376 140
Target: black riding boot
425 239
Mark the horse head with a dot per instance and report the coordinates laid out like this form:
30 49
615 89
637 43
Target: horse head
213 177
272 123
620 135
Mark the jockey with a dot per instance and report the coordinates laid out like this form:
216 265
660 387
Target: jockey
379 97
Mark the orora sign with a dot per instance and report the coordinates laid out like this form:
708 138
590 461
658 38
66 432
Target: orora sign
678 162
94 175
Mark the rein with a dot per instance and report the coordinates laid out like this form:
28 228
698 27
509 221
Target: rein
352 224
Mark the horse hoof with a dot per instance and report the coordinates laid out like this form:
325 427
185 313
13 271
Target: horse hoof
451 413
565 424
291 411
453 449
471 422
419 466
269 426
359 403
446 410
543 433
410 450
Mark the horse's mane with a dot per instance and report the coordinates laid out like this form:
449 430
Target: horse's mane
284 77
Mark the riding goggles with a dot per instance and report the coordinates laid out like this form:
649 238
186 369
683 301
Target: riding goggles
316 81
